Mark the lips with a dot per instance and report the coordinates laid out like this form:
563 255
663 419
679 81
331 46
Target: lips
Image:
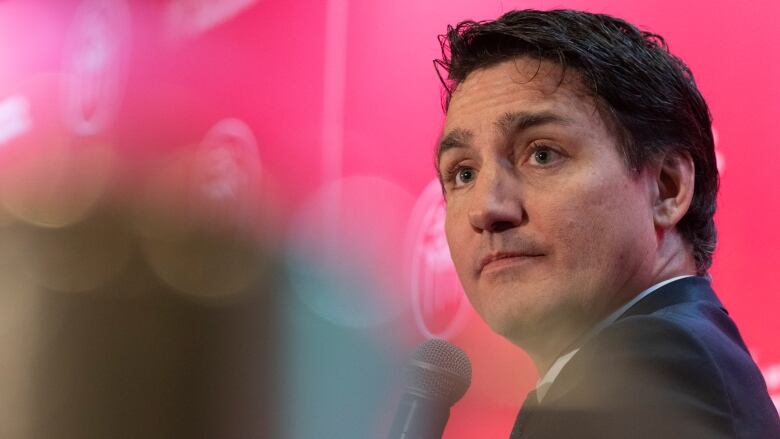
505 258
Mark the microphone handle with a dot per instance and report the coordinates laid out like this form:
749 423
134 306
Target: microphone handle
419 418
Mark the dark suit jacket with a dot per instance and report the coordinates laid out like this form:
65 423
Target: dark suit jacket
672 366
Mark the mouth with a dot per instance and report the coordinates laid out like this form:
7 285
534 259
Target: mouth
499 261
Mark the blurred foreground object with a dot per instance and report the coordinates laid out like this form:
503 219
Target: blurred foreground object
123 317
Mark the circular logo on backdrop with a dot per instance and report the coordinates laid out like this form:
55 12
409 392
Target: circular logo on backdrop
95 65
228 162
439 304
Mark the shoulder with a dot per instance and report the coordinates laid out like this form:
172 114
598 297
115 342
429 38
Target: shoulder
695 343
673 366
683 369
661 358
657 371
676 335
641 377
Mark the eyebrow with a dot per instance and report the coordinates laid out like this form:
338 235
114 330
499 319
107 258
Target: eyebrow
457 138
513 122
508 124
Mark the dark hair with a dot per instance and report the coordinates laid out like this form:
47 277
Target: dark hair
649 94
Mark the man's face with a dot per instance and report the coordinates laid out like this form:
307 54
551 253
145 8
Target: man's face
548 229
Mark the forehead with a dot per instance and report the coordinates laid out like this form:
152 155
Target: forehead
520 84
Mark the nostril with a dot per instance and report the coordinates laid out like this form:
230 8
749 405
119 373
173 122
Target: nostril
500 226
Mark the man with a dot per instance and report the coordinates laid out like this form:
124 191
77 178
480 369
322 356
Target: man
578 167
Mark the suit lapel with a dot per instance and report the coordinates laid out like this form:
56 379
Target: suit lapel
690 289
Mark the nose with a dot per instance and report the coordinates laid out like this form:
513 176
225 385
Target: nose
496 203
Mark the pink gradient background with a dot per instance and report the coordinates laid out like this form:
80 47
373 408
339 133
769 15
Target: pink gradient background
339 88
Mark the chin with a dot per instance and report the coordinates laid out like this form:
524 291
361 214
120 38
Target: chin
531 321
512 324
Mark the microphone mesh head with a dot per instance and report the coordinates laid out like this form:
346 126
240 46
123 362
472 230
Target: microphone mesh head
439 370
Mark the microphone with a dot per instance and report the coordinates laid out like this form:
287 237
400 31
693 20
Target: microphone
437 376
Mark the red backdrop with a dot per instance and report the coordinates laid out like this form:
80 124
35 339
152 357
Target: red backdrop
336 108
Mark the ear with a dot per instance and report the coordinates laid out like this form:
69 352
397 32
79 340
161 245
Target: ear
674 183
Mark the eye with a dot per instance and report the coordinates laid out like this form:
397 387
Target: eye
459 175
543 155
464 175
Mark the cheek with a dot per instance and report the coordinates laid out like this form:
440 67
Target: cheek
456 229
617 237
590 225
577 231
